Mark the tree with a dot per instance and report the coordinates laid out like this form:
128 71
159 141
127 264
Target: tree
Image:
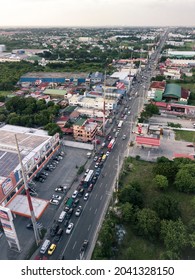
152 109
168 169
166 207
161 182
147 223
169 255
174 235
131 195
184 182
53 128
107 238
127 212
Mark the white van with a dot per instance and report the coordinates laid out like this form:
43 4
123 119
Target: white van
62 216
45 246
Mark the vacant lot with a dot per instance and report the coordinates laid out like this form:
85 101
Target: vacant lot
142 249
188 136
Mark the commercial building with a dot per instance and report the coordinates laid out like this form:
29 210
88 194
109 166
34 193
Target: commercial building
36 148
92 102
55 77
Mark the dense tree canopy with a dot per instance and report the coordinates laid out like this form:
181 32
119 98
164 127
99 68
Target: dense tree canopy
174 235
31 113
167 207
147 223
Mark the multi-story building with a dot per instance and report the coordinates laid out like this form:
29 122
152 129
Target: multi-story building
36 148
84 130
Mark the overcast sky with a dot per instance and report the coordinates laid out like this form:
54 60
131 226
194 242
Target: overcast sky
97 13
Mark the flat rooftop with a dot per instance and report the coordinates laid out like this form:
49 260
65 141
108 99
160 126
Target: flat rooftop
19 206
66 75
28 140
8 162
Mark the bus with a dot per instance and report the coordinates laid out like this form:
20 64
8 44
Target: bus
120 124
88 178
111 144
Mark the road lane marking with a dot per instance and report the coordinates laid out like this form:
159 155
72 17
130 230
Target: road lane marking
90 209
100 185
89 227
95 211
101 197
96 196
74 245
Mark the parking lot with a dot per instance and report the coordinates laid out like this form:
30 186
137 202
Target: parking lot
64 174
168 147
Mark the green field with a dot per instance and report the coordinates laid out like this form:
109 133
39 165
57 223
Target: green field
4 93
136 247
188 136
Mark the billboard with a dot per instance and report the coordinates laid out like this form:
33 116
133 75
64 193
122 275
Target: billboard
7 186
6 219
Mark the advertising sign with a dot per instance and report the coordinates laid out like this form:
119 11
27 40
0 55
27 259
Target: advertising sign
7 186
9 228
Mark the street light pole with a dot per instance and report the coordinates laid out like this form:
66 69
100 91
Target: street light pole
36 231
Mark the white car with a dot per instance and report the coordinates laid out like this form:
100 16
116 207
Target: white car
75 193
54 201
86 196
78 211
86 172
107 153
56 196
69 228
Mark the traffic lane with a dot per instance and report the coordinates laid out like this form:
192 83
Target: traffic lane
89 220
93 210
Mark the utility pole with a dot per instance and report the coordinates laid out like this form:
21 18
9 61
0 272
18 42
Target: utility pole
36 231
104 104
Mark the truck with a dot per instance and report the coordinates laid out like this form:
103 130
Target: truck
111 144
69 202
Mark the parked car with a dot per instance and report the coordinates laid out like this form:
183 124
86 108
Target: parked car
95 158
44 172
124 137
59 189
55 196
30 225
54 201
69 228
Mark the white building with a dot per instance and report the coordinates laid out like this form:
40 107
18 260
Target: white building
92 102
2 48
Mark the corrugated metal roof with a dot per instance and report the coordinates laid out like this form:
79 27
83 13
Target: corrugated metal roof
172 90
147 141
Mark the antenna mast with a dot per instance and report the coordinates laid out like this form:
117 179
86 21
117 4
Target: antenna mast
36 231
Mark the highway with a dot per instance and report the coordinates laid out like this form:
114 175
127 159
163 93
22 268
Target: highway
88 224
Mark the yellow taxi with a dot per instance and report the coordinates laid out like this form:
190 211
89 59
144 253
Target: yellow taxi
51 249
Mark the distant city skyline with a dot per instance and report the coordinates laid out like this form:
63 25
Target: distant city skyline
92 13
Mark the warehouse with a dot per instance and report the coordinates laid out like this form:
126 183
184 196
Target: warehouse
55 77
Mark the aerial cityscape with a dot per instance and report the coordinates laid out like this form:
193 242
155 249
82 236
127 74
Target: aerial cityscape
97 132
